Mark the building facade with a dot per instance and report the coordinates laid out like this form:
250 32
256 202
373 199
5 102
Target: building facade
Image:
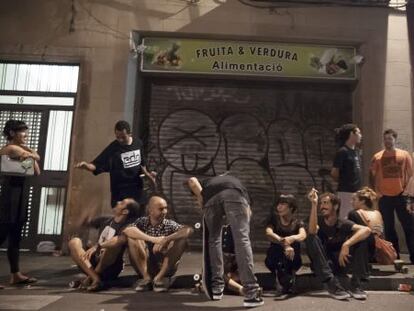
275 132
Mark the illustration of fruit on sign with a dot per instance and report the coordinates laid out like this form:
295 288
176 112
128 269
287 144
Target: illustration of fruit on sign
168 57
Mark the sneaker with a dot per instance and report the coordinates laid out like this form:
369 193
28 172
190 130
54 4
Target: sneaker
162 285
336 291
358 293
217 294
255 301
143 285
280 295
283 294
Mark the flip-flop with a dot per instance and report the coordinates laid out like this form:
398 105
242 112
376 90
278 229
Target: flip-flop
27 281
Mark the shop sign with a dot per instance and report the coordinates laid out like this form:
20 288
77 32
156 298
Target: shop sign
197 56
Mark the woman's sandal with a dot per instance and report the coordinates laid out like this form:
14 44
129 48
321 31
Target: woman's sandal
27 281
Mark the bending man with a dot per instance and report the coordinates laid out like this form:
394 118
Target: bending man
219 196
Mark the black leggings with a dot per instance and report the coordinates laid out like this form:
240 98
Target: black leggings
13 233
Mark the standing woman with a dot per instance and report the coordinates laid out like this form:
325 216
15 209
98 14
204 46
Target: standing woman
13 199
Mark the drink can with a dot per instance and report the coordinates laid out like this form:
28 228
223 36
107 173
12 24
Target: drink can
404 287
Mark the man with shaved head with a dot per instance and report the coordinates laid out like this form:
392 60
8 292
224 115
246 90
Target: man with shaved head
156 263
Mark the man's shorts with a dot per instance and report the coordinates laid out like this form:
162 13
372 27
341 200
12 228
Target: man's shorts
111 272
155 262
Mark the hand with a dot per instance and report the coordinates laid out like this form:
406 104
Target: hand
344 255
162 246
313 196
25 155
152 176
289 253
82 165
157 240
159 248
88 254
410 207
287 241
156 248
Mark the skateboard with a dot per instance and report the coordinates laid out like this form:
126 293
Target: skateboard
206 273
400 267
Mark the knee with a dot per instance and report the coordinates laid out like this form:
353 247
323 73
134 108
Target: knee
360 246
137 246
313 243
311 239
188 231
181 243
128 231
270 264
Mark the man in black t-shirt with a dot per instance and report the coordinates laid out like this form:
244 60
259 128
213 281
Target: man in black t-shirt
124 161
225 195
334 245
103 261
347 166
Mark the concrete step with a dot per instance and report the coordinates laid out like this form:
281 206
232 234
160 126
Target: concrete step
59 271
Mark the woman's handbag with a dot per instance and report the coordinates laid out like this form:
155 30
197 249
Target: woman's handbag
385 253
13 167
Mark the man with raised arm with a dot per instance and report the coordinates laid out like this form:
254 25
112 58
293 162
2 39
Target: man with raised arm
124 161
334 245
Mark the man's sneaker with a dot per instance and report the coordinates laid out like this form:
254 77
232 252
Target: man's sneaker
280 295
255 301
283 294
358 293
217 294
336 291
143 285
162 285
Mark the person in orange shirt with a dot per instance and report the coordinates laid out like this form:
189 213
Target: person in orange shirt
390 172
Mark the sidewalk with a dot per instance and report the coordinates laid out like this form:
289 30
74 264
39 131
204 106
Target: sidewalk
57 272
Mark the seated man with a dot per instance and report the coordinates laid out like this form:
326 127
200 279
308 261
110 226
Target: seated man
156 263
99 262
334 245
